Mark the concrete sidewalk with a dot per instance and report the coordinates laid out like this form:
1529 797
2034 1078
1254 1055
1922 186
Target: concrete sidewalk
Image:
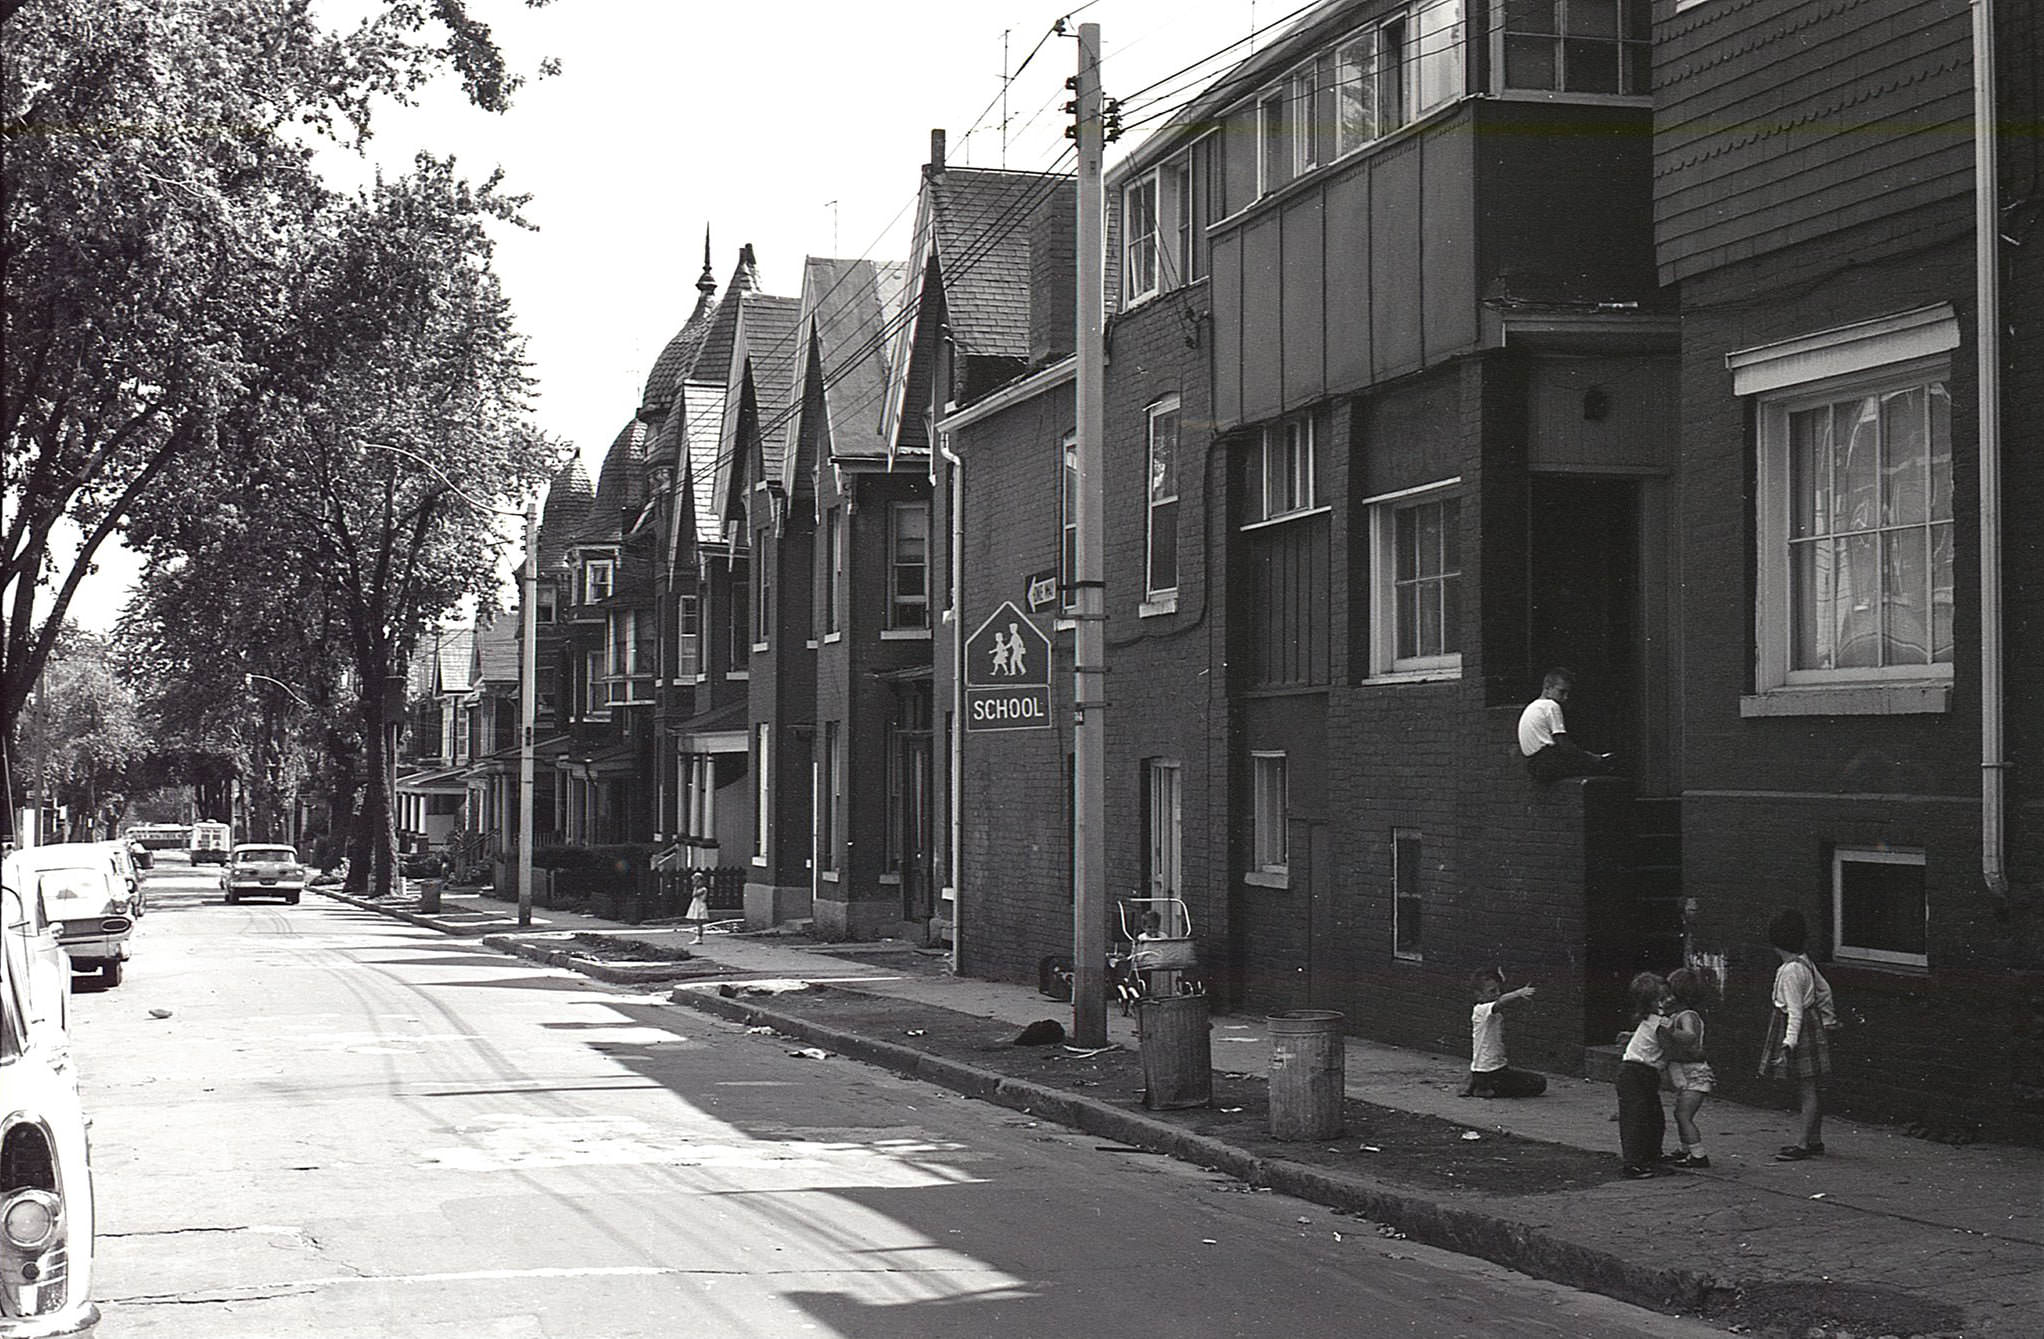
1885 1234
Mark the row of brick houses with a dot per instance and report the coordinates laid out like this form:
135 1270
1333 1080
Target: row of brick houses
1449 340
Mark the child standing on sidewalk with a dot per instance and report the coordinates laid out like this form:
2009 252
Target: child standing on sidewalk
1797 1048
1489 1074
1641 1122
1695 990
698 902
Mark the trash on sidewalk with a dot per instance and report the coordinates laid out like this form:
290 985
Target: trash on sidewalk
1470 1136
811 1053
760 1029
1043 1032
159 1013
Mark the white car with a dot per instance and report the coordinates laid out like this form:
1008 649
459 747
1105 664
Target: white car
85 896
254 870
46 1212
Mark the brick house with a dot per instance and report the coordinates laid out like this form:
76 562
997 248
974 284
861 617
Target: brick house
826 837
1844 665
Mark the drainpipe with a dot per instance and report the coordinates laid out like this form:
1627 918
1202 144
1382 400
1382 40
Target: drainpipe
957 731
1987 296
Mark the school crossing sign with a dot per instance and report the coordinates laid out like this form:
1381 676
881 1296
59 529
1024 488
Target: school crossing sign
1007 674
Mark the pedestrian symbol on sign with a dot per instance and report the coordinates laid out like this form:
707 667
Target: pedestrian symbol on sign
1011 656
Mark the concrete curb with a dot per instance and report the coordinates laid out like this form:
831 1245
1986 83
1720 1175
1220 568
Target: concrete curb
614 973
1525 1247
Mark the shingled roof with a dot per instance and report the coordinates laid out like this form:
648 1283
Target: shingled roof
768 332
620 486
971 237
568 499
681 351
846 309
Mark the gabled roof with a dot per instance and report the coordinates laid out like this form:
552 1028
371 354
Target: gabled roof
451 655
498 651
764 350
972 238
843 342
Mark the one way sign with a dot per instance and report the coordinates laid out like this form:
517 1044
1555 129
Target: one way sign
1007 674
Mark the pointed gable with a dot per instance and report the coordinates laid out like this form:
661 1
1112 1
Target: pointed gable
847 306
969 268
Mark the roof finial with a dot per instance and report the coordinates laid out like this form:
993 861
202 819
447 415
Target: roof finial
706 282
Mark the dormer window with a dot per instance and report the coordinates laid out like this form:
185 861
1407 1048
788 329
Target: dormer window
598 575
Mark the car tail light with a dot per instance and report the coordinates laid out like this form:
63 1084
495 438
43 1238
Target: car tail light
113 925
30 1219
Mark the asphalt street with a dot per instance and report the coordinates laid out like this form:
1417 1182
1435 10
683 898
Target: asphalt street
313 1121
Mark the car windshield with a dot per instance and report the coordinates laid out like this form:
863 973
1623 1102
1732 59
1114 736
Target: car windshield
265 855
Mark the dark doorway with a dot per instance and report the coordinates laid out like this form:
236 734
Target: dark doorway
1583 595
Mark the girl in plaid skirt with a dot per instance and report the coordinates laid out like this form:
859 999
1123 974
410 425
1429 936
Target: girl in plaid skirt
1796 1048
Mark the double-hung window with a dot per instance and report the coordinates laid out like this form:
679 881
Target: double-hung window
1142 238
1416 585
688 636
908 583
1579 46
833 568
1286 467
762 792
1162 564
597 575
762 597
1274 139
1855 523
1269 855
830 788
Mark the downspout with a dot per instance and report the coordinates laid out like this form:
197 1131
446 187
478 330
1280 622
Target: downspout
957 731
1987 296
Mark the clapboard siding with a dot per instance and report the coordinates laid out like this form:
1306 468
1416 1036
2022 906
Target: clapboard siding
1778 121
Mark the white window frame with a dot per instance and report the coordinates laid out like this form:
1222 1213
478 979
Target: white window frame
833 570
762 597
688 636
595 691
1843 951
598 572
1401 872
1270 106
1889 353
896 601
1270 863
1135 245
830 777
1166 407
1301 86
762 793
1385 662
1284 458
1561 37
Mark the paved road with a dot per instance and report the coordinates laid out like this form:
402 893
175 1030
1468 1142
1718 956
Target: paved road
350 1127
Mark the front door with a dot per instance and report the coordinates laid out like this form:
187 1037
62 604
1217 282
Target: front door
1166 844
912 804
1584 587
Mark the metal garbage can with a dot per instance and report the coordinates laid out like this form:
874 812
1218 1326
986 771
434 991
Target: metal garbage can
429 896
1306 1074
1176 1044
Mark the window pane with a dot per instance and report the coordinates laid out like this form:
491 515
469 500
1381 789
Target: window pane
1809 605
1408 621
1429 635
1451 615
1639 20
1407 544
1855 469
1427 559
1940 452
1940 578
1639 67
1164 547
1163 456
1451 535
1354 102
1530 16
1440 53
1858 605
1809 466
1905 600
1881 906
1592 67
1593 18
1905 462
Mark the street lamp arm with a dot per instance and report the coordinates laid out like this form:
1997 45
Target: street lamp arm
248 678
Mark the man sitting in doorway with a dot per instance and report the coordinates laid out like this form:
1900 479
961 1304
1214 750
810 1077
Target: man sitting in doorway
1543 736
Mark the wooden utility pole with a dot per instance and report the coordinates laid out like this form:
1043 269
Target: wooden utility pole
1089 661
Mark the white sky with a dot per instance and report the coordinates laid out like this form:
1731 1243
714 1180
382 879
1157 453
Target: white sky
750 118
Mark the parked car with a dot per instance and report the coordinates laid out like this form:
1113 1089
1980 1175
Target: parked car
262 871
210 842
46 1206
86 898
124 865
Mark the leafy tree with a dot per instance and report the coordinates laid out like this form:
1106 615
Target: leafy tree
84 734
155 198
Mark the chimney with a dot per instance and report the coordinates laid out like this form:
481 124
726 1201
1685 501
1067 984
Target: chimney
1053 282
936 167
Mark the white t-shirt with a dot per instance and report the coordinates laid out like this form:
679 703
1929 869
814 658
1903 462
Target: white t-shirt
1539 723
1486 1038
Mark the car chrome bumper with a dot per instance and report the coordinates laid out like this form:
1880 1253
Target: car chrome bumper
76 1319
95 948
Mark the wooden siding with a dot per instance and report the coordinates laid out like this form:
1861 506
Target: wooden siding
1288 605
1782 121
